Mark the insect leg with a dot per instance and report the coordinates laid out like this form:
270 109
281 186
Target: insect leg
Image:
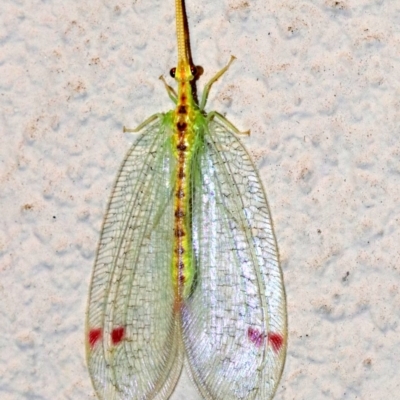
212 80
228 124
170 90
143 124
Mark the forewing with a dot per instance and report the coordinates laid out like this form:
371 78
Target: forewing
234 323
133 338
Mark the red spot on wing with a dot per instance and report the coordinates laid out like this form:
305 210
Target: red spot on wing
258 338
94 336
255 336
276 341
117 335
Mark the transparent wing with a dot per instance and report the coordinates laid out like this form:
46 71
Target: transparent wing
134 346
234 323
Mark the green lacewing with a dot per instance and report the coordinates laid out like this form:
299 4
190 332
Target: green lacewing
187 268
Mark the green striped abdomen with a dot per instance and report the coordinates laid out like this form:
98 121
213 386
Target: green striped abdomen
183 147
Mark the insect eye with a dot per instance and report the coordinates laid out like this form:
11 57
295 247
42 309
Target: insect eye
172 72
193 70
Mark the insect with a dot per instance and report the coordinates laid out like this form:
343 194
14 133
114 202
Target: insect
187 268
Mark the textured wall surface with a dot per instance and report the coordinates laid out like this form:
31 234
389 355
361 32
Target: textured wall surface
317 82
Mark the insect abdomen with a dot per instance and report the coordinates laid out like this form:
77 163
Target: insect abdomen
183 140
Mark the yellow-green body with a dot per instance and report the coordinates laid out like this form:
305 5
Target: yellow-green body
187 125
